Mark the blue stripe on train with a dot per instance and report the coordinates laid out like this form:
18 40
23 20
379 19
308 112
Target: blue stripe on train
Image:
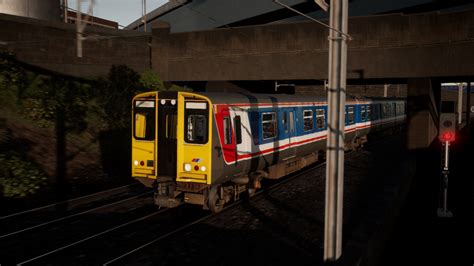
283 129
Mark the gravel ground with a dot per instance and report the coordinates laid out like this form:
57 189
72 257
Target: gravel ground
286 225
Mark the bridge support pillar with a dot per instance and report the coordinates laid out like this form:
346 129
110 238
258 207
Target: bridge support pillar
422 112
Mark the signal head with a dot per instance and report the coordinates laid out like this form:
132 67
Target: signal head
447 136
447 127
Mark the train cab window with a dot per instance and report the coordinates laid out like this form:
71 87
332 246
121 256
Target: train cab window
144 124
350 114
362 113
320 119
196 129
238 129
196 122
269 125
227 131
307 120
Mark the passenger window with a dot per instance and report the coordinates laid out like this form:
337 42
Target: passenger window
308 120
196 129
369 112
269 125
362 113
292 122
284 121
351 114
379 111
320 119
227 131
238 129
384 111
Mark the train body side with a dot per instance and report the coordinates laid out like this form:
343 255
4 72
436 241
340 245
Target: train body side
207 148
255 153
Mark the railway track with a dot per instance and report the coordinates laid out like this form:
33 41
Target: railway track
70 202
110 235
186 229
258 195
94 239
34 218
36 241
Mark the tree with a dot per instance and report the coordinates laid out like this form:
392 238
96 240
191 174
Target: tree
115 95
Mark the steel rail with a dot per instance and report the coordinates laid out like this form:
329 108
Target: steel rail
66 201
93 236
259 193
73 215
286 180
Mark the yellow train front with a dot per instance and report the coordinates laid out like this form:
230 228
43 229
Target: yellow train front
209 148
168 154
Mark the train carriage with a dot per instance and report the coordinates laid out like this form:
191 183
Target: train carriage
208 148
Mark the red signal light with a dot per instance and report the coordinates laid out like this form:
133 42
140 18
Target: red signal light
196 168
448 136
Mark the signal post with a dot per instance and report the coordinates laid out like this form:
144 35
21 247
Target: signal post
447 134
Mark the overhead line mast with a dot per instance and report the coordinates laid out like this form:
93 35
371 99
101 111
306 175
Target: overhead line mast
338 37
80 25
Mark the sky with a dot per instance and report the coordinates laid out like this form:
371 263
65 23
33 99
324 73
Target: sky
122 11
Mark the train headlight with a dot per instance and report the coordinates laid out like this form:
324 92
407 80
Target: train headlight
135 163
187 167
173 102
203 168
163 102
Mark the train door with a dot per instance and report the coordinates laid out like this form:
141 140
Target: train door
290 127
167 127
144 133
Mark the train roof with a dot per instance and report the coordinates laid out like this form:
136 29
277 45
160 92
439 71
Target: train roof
241 97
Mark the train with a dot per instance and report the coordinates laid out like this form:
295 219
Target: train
210 148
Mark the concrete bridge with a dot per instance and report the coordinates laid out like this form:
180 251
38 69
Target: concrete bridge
383 47
412 49
417 50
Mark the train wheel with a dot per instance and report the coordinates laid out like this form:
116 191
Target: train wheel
216 204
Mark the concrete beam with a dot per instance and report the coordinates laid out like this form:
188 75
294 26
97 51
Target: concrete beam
388 46
52 46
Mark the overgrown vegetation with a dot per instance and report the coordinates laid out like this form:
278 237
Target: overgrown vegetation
46 101
87 111
150 81
18 176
